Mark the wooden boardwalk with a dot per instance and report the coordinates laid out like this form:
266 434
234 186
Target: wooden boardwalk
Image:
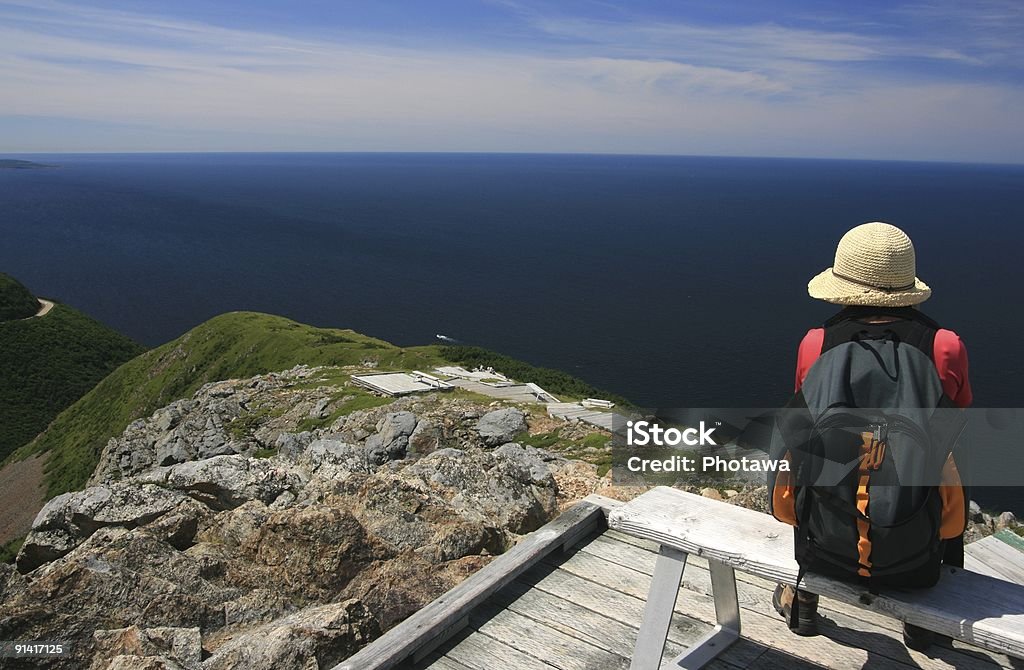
580 610
1000 556
575 411
511 393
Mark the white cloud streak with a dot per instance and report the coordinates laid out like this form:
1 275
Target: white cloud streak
758 90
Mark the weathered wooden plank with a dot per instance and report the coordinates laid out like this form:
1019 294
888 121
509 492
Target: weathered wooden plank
974 608
482 652
628 610
645 559
993 557
579 622
608 547
422 627
542 642
773 659
437 661
852 624
604 502
769 629
1011 538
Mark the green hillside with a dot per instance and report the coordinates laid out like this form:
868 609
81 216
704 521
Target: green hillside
234 345
16 302
231 346
49 362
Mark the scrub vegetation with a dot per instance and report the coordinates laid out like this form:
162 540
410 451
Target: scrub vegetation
48 363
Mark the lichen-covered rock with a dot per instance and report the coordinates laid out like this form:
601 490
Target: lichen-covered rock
315 637
70 518
425 438
335 452
501 426
391 439
224 482
315 549
181 646
291 445
257 606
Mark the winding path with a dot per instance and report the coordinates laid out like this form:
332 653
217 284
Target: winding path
44 308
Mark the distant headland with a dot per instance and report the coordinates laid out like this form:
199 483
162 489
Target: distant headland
12 164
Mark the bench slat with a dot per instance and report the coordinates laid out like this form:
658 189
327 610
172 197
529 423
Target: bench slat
974 608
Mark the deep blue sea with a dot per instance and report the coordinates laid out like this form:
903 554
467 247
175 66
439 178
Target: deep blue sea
675 281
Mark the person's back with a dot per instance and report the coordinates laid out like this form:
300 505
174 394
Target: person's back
878 352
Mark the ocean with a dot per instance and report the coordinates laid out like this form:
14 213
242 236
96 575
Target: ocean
674 281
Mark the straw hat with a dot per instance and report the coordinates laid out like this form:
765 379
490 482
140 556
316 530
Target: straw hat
874 266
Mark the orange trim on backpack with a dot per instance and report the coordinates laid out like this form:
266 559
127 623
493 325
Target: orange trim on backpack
954 506
784 496
871 450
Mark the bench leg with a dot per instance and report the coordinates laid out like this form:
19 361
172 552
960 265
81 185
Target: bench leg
727 613
661 600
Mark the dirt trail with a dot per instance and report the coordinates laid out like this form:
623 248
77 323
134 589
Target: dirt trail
44 308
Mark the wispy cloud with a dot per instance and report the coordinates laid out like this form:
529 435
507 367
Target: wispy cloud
582 85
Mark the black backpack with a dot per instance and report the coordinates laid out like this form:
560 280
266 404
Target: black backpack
870 439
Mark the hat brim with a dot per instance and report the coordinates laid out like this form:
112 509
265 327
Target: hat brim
830 288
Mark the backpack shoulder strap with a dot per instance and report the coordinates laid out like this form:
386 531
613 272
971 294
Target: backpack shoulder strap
911 326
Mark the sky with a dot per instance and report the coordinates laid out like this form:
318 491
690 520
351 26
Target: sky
922 80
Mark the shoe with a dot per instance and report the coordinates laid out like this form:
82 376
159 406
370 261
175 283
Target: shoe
806 617
917 638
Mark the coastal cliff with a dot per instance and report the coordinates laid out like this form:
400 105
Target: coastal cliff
283 520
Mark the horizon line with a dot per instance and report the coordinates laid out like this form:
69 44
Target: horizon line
624 154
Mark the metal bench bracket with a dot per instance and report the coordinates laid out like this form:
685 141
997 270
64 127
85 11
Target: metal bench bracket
661 600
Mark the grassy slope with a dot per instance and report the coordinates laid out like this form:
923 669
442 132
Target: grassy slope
16 302
234 345
231 346
48 363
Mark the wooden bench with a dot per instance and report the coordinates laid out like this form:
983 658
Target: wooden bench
970 607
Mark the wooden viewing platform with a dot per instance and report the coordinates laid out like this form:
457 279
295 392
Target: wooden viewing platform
571 596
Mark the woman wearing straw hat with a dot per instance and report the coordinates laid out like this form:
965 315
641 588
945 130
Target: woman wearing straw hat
874 279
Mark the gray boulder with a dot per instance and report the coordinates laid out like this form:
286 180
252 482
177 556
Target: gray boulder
172 449
391 440
291 445
68 519
524 463
975 512
334 452
425 438
225 482
501 426
319 410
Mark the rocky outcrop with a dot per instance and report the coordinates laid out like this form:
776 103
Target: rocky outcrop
68 519
135 647
390 441
314 532
316 637
501 426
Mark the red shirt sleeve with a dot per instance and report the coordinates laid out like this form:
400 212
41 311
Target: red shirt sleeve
810 349
951 363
